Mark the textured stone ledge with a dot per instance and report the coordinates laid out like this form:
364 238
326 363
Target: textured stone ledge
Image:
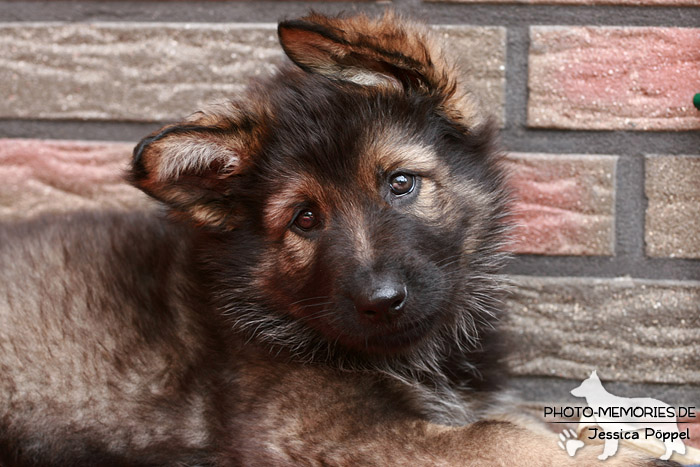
565 203
613 78
165 71
542 389
627 329
672 188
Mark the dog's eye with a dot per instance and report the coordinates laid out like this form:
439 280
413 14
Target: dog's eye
306 220
402 184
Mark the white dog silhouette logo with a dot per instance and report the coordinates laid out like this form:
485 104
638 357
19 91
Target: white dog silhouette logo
618 415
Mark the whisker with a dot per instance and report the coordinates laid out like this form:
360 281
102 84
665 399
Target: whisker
315 304
321 297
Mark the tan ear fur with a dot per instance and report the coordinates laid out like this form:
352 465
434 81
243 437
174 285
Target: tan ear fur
389 51
189 165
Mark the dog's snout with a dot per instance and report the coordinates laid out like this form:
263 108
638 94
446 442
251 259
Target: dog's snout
383 303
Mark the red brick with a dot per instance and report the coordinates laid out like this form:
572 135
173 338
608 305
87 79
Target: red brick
610 78
55 176
565 203
672 221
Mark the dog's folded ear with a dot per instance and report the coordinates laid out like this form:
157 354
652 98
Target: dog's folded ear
195 166
388 51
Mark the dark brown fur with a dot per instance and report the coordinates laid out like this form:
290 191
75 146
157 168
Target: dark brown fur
224 334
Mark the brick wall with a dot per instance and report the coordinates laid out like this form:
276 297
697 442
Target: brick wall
595 103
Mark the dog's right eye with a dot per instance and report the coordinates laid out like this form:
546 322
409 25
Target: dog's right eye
306 220
402 184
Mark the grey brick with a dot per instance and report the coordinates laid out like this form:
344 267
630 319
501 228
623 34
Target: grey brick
672 224
164 71
627 329
129 71
481 55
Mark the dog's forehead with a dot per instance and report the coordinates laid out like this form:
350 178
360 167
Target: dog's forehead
324 118
392 147
363 147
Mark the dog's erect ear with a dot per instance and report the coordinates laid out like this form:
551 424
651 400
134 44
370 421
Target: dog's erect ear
389 51
192 166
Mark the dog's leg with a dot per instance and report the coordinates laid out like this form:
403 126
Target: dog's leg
310 416
416 443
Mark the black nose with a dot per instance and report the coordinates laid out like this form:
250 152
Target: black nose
384 303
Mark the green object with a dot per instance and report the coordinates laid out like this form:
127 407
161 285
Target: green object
696 101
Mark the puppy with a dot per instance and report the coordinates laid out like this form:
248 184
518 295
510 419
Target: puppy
320 287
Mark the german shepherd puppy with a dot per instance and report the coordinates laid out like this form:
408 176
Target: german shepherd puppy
322 290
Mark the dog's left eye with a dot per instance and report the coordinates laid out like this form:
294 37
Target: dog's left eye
402 183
